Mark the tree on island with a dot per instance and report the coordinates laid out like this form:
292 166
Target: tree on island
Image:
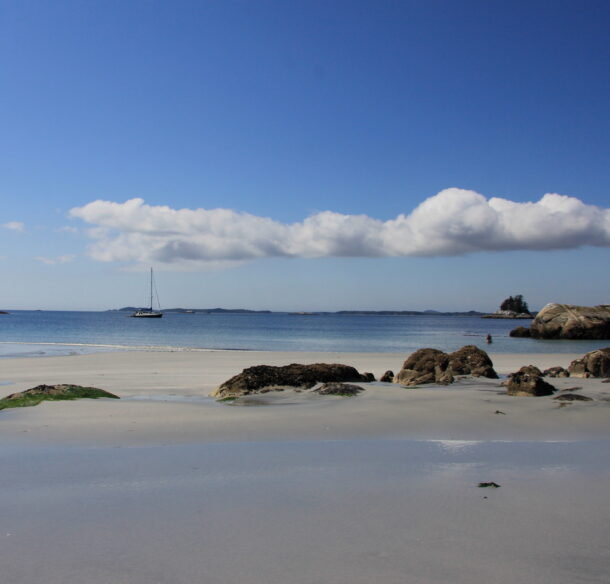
515 304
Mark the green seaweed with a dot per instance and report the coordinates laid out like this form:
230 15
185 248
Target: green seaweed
69 392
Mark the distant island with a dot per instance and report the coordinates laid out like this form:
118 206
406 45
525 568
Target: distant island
201 310
309 313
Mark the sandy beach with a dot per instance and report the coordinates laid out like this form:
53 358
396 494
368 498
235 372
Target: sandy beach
168 485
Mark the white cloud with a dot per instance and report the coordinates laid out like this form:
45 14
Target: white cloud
14 226
64 259
67 229
453 222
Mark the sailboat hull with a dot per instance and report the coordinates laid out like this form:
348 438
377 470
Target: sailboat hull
146 314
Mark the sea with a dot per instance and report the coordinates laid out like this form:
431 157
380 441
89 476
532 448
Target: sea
25 333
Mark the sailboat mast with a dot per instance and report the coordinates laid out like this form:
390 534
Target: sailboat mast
151 289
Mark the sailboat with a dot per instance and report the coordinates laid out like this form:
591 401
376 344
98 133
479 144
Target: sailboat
149 312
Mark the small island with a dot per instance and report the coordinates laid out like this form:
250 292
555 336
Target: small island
513 307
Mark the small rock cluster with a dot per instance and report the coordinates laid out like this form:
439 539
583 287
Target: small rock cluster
528 381
434 366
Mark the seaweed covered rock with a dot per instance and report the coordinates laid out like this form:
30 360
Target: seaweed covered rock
593 364
342 389
528 382
62 391
260 377
434 366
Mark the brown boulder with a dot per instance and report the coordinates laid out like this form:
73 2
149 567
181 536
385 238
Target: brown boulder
520 331
566 321
423 366
434 366
387 377
470 360
593 364
260 377
528 381
556 372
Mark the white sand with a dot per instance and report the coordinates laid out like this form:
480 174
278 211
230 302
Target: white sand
168 486
165 401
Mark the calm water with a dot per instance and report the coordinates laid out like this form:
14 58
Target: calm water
30 333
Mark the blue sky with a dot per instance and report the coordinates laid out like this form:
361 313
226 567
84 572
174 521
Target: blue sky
279 111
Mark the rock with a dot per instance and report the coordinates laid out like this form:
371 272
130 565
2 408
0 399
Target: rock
423 366
471 360
434 366
489 485
531 370
63 391
573 397
368 376
254 379
520 331
556 372
593 364
387 377
343 389
528 382
565 321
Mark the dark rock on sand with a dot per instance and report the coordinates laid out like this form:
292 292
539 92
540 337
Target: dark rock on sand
254 379
593 364
387 377
528 382
520 331
343 389
566 321
471 360
573 397
556 372
424 366
368 376
434 366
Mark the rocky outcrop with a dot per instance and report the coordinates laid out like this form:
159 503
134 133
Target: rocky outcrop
434 366
528 382
520 331
387 377
556 372
593 364
342 389
261 377
566 321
